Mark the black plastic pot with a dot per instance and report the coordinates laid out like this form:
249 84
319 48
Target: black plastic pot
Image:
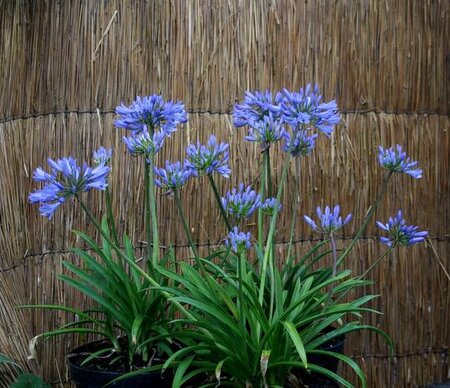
92 376
316 380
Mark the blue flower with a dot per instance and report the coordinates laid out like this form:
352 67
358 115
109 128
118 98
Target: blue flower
210 158
240 203
330 221
151 113
395 160
301 145
65 180
254 108
144 144
305 109
269 206
238 241
173 177
266 131
102 156
400 233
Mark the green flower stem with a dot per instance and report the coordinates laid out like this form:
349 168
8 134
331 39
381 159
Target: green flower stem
295 207
370 213
262 191
376 262
148 225
152 198
333 252
110 217
368 270
241 271
268 254
185 225
268 174
219 202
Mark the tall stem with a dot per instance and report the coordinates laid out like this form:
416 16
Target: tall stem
268 174
295 208
333 252
152 199
369 215
110 217
185 224
372 266
375 263
241 270
262 192
219 202
268 251
148 224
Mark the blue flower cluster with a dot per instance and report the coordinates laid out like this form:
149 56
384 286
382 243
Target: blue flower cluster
66 179
305 109
400 233
240 203
270 205
301 145
255 107
330 220
173 177
151 113
102 156
238 241
266 131
209 158
144 143
151 120
395 160
290 116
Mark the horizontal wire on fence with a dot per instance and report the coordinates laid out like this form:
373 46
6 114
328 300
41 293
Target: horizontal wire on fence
63 251
216 112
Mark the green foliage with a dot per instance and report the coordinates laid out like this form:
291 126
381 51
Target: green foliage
126 303
231 336
24 380
28 380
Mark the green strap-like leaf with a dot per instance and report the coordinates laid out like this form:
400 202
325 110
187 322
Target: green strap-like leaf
293 333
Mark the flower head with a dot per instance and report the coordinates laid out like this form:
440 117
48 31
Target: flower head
400 233
102 156
151 112
394 159
270 205
266 131
305 109
301 144
240 203
210 158
144 144
173 177
330 221
238 241
254 108
65 180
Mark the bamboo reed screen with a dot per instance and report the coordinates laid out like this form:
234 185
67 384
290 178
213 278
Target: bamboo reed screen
65 65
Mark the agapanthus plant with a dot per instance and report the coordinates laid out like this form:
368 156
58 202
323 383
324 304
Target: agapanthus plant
244 315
